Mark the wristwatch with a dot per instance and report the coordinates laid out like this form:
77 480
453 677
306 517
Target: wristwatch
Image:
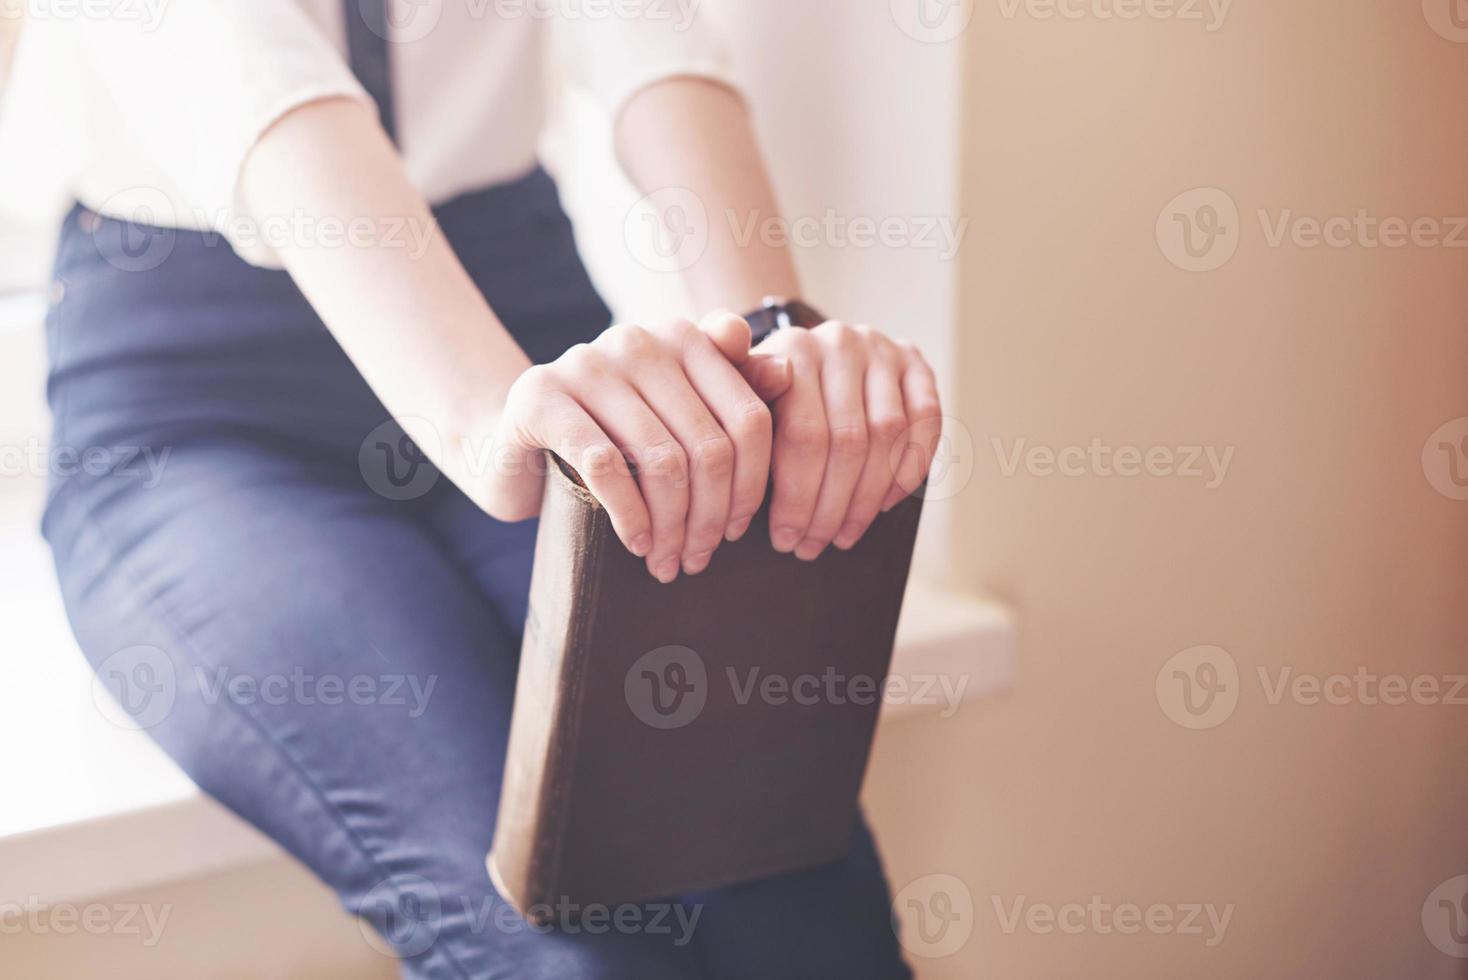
776 313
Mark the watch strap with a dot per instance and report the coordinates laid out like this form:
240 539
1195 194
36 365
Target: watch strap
777 313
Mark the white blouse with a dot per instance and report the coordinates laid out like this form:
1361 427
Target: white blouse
165 98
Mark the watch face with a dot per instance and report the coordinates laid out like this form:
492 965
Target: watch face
762 323
776 314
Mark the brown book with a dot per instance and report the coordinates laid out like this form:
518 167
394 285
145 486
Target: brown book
673 738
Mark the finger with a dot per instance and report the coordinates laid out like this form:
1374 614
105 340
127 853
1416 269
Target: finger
564 427
768 374
843 375
886 424
730 334
662 468
745 418
707 447
801 442
925 428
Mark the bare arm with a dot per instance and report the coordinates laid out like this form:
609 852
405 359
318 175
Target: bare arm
443 363
684 404
858 427
696 134
402 318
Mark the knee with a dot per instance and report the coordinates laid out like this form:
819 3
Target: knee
470 932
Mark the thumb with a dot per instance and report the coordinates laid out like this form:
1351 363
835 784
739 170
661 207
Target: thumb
730 333
770 375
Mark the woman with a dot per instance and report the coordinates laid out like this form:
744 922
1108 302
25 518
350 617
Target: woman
426 284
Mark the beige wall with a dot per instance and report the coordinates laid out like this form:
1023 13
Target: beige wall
1324 550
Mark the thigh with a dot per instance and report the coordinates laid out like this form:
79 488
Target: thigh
495 557
830 921
309 655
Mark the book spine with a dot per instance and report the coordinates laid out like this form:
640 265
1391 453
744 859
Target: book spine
525 856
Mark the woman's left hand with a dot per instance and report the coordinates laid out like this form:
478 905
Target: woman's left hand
854 434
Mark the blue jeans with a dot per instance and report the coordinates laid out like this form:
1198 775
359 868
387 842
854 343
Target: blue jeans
324 633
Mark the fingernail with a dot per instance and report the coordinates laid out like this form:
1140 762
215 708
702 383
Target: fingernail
810 549
894 497
785 539
775 371
849 535
667 570
737 528
641 545
694 564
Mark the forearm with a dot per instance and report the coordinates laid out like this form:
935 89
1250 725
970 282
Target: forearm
406 313
696 134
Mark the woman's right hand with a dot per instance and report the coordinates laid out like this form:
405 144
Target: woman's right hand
671 402
671 397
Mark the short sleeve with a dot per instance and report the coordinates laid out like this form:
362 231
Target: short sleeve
633 45
199 84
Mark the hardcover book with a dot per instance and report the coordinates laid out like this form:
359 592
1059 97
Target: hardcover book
674 738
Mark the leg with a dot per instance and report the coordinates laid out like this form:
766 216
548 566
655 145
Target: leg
831 921
330 675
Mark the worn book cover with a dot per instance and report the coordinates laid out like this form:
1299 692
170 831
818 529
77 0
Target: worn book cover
673 738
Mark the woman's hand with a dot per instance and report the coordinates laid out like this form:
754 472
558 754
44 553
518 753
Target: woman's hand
667 400
855 433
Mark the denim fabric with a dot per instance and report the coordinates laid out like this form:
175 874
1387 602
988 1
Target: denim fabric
324 633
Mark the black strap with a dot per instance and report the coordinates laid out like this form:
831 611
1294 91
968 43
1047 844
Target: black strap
369 55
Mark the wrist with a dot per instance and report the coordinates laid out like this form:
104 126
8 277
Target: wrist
470 417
